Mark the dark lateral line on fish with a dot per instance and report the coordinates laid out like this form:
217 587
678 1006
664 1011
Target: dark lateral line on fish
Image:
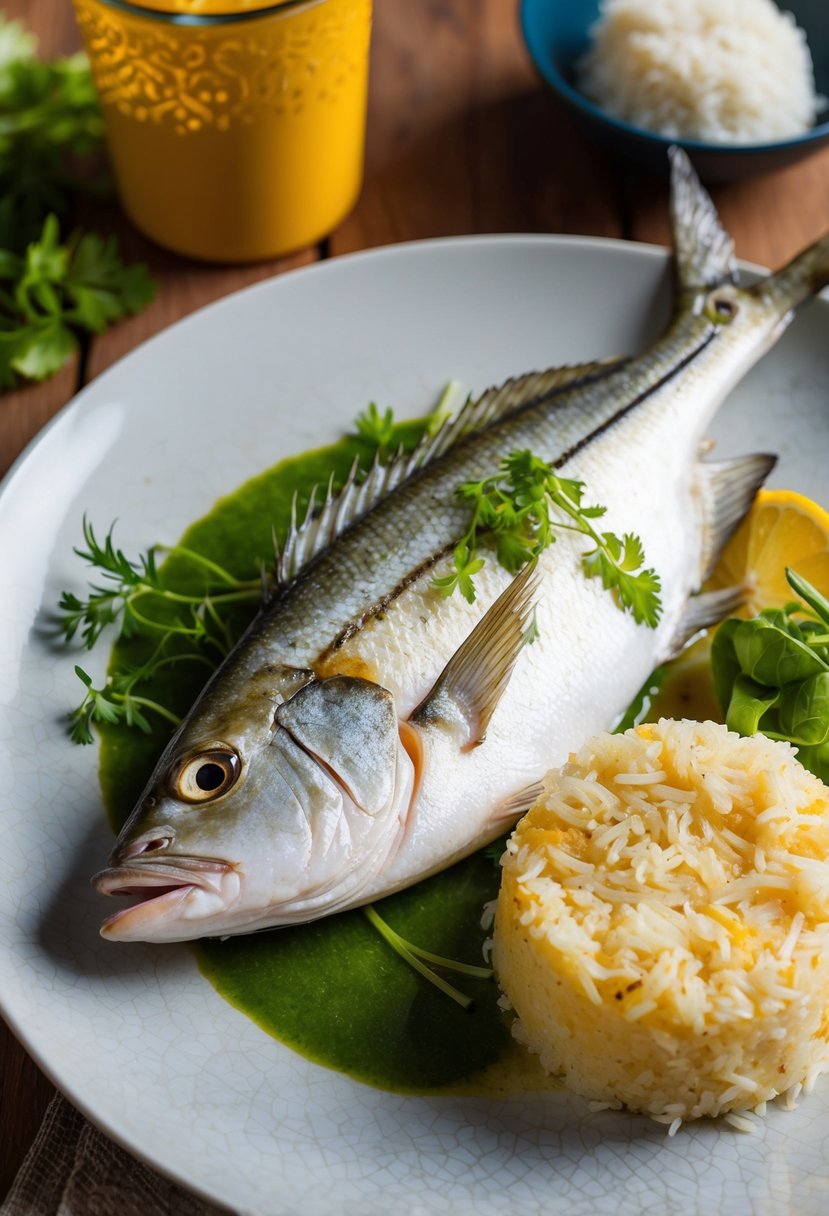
354 627
382 604
631 405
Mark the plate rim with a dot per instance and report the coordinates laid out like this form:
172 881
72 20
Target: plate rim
632 249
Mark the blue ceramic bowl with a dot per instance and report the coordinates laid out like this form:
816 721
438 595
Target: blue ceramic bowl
557 35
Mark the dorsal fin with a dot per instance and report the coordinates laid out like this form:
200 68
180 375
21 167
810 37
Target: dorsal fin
704 251
530 389
319 528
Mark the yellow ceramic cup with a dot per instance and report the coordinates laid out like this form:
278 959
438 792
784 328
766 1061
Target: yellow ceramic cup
236 130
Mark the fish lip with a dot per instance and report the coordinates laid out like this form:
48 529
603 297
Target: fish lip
168 896
130 878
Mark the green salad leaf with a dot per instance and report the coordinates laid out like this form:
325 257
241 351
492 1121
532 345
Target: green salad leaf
771 674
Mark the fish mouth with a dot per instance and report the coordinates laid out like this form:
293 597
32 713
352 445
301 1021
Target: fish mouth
171 899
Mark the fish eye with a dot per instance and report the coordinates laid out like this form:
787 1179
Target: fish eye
207 775
721 307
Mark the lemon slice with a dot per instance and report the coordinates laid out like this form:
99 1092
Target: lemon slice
783 528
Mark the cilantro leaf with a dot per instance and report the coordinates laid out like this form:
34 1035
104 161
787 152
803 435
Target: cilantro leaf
377 428
101 287
43 349
49 118
55 291
522 506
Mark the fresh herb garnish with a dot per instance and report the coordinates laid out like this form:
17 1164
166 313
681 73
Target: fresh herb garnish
53 292
117 701
375 427
132 596
522 507
420 959
49 117
381 430
771 674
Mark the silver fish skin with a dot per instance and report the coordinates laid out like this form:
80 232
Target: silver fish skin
366 732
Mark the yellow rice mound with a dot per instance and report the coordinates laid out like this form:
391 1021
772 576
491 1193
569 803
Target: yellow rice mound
662 928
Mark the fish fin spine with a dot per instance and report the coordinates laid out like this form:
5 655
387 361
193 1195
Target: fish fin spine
701 612
472 683
728 489
703 249
320 528
519 803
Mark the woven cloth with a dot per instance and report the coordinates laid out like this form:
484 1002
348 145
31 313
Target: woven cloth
73 1170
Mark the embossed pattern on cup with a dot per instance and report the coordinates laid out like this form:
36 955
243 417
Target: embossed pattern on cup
233 139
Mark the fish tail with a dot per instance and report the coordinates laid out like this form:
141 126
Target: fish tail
807 274
703 250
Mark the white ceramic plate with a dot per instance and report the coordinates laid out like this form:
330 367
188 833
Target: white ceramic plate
134 1035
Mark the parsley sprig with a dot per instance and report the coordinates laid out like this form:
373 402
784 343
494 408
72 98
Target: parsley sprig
118 702
381 430
49 118
522 507
54 291
378 429
132 596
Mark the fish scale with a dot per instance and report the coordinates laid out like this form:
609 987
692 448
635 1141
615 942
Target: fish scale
367 731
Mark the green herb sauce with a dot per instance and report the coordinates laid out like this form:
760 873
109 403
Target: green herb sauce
334 990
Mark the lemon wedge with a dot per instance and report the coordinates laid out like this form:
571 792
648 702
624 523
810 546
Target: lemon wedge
783 528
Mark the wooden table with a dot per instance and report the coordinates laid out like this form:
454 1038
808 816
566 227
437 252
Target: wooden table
463 138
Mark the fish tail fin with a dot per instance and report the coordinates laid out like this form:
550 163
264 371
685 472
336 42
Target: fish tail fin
803 277
704 251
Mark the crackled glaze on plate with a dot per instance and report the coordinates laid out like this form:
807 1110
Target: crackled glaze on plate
133 1034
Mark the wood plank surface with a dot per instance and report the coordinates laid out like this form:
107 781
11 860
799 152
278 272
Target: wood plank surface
24 412
24 1091
462 138
771 217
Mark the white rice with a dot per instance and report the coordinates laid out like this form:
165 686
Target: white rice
720 71
647 959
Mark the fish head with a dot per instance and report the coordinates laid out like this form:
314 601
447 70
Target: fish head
268 813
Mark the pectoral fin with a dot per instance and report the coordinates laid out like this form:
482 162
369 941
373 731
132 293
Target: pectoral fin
471 684
702 611
728 490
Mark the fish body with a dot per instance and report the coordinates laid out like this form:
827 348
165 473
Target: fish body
367 731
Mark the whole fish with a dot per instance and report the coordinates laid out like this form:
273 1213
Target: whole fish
366 731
